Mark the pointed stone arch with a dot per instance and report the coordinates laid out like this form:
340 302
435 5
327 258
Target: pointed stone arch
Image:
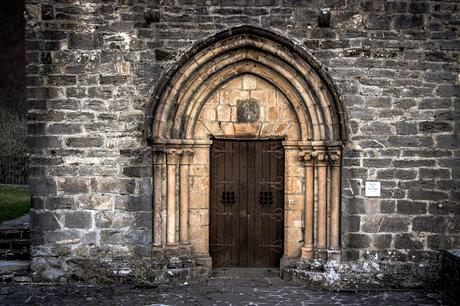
289 71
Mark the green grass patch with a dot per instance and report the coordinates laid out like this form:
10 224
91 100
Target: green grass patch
14 202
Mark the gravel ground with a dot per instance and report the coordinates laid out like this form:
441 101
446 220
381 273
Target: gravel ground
214 291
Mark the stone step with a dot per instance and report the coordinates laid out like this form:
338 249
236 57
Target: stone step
15 254
14 266
14 233
15 271
14 244
245 272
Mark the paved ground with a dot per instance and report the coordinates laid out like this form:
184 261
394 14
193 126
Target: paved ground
215 291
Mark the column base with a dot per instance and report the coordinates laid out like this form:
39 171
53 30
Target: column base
185 248
334 254
306 252
158 251
320 254
172 250
203 260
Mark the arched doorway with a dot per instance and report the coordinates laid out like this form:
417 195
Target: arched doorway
249 89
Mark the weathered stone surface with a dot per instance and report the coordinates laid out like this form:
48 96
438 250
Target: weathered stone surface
85 142
45 221
358 241
74 185
92 68
78 219
42 186
394 224
407 241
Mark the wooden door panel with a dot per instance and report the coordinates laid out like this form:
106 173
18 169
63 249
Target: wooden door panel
247 196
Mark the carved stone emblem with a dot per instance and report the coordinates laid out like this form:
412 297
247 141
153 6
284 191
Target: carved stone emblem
247 111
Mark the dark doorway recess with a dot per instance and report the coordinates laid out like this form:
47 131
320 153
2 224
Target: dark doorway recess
246 203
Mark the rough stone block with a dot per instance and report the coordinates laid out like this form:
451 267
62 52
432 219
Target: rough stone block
113 79
408 241
394 224
430 173
114 185
358 241
355 206
64 128
78 219
387 206
433 224
377 22
84 142
85 41
406 128
419 7
410 141
405 22
61 202
137 171
427 195
45 220
73 185
63 237
396 7
134 203
371 224
382 241
42 186
411 208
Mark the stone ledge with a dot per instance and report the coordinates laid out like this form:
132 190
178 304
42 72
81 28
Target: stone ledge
141 271
366 274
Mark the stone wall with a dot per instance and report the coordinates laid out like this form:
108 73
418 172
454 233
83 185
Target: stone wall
93 65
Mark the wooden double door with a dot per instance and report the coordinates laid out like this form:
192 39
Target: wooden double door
246 203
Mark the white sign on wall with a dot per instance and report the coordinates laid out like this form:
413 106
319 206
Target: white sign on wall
372 189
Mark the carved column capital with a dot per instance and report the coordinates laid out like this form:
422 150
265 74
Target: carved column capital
335 157
172 156
306 157
158 155
321 157
187 156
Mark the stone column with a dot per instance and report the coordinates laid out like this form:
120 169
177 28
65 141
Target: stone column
172 158
334 241
159 188
187 155
307 158
321 167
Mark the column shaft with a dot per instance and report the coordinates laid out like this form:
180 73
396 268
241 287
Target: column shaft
309 209
184 174
171 197
335 203
322 202
158 192
158 196
171 209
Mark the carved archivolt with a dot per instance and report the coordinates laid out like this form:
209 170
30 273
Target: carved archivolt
187 87
189 83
